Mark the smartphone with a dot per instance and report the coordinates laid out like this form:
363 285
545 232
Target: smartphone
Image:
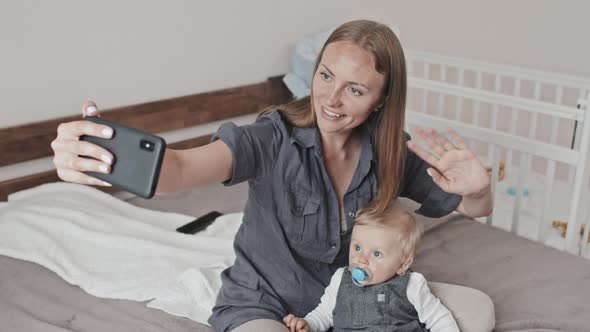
199 224
138 157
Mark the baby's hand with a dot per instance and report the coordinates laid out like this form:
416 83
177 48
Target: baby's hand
296 324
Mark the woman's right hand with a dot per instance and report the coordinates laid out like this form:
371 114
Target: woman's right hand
68 149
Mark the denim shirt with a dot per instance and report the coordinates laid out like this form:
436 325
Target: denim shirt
290 241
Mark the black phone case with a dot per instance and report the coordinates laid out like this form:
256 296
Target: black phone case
137 159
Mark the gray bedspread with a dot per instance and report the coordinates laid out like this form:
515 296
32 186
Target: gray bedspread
33 299
534 287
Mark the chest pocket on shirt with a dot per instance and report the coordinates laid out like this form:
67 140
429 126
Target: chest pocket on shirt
302 208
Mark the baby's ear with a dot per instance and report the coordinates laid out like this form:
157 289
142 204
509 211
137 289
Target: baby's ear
406 264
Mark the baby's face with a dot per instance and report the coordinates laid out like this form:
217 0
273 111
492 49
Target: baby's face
373 249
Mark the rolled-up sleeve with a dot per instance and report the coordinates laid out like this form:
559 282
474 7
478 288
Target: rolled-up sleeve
253 147
419 186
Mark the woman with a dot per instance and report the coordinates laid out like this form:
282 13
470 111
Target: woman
310 165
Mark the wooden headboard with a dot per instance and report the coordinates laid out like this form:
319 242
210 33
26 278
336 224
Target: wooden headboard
32 141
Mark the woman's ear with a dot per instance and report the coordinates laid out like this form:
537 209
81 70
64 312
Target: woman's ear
380 103
405 265
378 107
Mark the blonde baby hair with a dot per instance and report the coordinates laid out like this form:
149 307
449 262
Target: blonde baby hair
407 230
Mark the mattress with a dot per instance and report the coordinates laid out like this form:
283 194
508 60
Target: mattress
534 287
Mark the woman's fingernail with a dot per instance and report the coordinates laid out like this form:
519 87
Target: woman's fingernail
108 132
429 172
91 110
107 159
103 168
107 184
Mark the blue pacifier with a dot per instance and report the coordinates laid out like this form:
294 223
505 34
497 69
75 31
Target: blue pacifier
358 274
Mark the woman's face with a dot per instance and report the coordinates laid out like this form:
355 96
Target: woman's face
346 87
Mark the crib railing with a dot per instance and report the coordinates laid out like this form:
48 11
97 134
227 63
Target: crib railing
531 121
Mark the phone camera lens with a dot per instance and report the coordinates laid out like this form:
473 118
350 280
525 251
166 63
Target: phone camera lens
146 145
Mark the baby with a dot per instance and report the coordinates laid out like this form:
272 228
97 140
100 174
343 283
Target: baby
376 292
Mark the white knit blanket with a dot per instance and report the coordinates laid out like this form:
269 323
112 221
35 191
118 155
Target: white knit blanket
113 249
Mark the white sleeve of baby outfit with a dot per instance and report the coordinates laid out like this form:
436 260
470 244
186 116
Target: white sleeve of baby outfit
430 310
321 319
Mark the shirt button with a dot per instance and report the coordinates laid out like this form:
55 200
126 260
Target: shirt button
333 246
351 214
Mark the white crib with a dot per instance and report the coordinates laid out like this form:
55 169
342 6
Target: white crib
536 123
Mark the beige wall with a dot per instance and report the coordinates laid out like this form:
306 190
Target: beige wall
54 55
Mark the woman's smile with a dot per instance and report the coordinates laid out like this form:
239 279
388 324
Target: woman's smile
330 115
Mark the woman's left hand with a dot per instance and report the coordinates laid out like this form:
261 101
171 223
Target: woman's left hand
456 169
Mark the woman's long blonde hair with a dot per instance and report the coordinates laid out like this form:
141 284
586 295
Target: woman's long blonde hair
388 131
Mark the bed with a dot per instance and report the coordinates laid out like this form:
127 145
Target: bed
537 280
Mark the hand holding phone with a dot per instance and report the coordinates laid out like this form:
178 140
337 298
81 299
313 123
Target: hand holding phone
138 157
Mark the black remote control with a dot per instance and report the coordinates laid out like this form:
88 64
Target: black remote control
199 224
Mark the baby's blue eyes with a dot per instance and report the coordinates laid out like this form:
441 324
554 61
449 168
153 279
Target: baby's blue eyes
375 253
